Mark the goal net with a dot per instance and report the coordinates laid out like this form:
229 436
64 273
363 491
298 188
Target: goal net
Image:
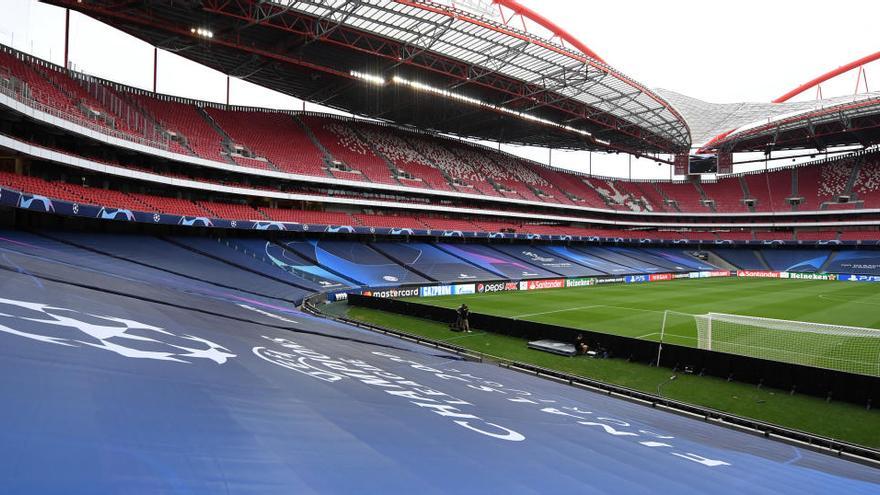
850 349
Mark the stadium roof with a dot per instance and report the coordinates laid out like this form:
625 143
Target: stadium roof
819 124
804 124
494 71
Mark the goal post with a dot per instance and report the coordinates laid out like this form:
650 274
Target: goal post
675 327
839 347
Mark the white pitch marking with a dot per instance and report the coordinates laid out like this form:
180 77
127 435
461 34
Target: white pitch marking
588 307
559 311
845 300
472 334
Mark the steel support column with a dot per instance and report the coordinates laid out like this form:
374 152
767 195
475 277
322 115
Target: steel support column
155 66
66 38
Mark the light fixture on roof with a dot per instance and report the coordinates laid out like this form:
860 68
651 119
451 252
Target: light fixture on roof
480 103
204 33
370 78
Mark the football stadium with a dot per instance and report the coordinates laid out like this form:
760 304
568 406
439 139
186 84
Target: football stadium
433 246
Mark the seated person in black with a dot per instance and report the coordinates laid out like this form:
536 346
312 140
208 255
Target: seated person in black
580 345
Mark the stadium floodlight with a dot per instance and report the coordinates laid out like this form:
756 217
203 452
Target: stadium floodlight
204 33
844 348
452 95
370 78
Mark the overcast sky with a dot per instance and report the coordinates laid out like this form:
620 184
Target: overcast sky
748 50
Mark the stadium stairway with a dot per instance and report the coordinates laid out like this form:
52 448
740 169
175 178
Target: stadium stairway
667 201
745 191
760 257
720 262
157 254
851 182
828 262
328 157
313 258
226 140
392 169
705 197
208 247
741 258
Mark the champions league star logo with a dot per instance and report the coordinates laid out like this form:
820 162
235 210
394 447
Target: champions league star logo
127 338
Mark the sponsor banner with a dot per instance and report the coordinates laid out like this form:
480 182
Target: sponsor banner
709 274
553 283
717 273
435 290
656 277
444 290
497 287
464 289
612 280
757 273
580 282
808 276
678 276
393 293
636 279
849 277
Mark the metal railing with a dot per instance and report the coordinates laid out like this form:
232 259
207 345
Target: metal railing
20 92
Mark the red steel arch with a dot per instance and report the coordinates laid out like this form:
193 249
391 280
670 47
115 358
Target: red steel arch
547 24
830 75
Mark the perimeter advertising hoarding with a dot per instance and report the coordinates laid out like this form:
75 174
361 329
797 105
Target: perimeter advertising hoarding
757 273
393 293
488 287
496 287
553 283
435 290
709 274
580 282
447 290
464 289
808 276
715 273
849 277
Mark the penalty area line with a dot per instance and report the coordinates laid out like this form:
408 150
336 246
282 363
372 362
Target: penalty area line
557 311
588 307
665 335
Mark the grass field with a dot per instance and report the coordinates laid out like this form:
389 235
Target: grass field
843 421
636 310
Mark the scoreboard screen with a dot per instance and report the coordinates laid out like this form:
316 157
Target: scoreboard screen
702 164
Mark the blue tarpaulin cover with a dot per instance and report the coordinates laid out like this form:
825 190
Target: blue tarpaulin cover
112 384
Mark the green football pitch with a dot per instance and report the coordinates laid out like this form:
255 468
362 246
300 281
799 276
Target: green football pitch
637 310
